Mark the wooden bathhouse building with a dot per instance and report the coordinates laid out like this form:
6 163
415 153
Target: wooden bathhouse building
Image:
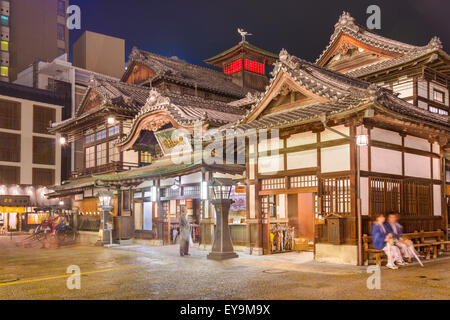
362 130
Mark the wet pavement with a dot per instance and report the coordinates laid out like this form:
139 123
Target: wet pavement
145 272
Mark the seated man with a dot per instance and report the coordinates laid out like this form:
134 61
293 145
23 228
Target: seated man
383 240
392 226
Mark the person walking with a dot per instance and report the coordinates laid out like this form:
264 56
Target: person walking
185 234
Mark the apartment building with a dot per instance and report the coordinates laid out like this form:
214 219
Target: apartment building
30 31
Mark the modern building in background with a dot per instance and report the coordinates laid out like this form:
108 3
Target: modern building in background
100 53
63 78
31 30
30 156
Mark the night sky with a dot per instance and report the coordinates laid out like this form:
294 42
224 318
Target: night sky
196 30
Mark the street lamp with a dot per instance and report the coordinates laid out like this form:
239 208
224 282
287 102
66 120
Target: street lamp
362 140
105 197
111 120
222 248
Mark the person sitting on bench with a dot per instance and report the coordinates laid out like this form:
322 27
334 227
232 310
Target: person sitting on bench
392 226
383 240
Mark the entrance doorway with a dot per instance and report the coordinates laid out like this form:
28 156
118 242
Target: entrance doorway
300 207
147 216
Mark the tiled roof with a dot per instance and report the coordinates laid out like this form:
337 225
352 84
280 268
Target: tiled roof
188 74
241 46
345 93
347 25
186 110
416 54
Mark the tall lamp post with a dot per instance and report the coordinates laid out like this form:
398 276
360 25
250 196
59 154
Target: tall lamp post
105 197
222 248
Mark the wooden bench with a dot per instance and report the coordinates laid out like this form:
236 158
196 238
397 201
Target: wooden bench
423 241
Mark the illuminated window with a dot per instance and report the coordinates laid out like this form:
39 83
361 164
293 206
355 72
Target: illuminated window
4 45
90 157
233 67
5 20
61 8
113 131
101 154
146 157
438 96
253 66
90 138
4 72
100 135
61 32
433 109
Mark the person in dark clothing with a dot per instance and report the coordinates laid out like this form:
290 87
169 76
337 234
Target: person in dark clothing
185 234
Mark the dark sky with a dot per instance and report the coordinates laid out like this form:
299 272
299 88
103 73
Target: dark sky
195 30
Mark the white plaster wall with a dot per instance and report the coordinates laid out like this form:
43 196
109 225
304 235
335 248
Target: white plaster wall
386 161
328 135
270 144
417 143
192 178
436 169
404 88
300 139
417 166
364 158
422 88
422 105
335 158
26 141
436 148
302 159
364 184
131 156
437 200
167 182
272 164
378 134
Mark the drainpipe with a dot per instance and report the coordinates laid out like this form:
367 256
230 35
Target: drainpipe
323 119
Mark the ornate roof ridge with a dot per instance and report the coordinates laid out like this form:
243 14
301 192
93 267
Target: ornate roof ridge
346 24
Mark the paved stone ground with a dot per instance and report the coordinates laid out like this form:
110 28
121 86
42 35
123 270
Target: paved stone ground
144 272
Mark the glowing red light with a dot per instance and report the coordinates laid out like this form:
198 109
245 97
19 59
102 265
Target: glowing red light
254 66
233 67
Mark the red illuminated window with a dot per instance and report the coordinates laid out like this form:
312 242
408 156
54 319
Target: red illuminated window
233 67
253 66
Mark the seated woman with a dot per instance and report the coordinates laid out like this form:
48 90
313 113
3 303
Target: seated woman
382 240
392 226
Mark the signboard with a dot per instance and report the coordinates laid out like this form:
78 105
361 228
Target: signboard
240 189
14 201
173 141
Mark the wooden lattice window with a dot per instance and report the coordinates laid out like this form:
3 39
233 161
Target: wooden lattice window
9 175
191 190
43 177
10 115
9 147
303 181
42 117
273 184
385 195
417 199
336 196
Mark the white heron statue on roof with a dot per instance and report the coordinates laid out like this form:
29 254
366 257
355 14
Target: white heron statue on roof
243 34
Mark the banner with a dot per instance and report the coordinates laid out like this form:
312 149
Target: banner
173 141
